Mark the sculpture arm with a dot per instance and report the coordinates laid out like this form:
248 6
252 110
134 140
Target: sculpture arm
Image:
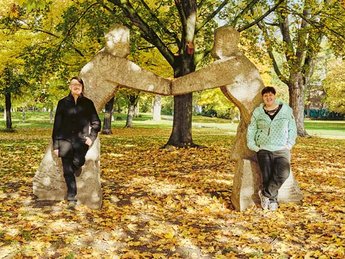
138 78
232 70
112 70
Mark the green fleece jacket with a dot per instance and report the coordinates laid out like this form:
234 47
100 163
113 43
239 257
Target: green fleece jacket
277 134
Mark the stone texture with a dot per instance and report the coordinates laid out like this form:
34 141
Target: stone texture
247 183
106 73
89 182
49 183
290 191
109 70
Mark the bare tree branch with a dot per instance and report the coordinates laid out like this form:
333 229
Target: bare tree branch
183 20
302 37
111 11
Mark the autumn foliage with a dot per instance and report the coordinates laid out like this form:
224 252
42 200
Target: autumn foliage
170 203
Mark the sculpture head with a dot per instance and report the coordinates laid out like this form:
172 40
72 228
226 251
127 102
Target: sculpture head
117 41
226 40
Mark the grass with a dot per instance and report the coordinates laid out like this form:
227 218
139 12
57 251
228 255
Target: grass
326 129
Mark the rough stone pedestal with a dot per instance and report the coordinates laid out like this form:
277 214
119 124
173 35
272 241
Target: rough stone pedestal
49 183
247 181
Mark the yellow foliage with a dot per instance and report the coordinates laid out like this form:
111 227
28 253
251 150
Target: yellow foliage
174 203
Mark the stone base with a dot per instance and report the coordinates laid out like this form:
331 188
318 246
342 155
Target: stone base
49 183
247 182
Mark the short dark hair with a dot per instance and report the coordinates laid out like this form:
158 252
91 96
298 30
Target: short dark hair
268 89
79 80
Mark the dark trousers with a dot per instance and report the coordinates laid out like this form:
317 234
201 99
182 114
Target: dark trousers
71 163
275 169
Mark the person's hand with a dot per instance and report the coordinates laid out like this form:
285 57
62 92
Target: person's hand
56 152
88 141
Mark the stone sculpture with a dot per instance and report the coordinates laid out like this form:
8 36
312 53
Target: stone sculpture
102 77
241 83
235 74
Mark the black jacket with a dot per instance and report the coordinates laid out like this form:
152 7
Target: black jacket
75 121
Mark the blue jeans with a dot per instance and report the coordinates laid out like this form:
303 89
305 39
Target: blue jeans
275 169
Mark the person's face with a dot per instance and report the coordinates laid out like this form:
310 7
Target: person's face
75 87
269 99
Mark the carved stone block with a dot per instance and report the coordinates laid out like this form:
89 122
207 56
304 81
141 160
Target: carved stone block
247 182
49 183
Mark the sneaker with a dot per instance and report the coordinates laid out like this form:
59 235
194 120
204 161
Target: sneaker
77 172
71 198
265 202
273 206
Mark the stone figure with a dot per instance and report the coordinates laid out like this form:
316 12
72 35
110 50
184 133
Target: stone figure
109 70
241 83
102 77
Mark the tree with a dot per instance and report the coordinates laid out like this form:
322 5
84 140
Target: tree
11 81
293 34
132 101
108 114
214 103
183 41
334 86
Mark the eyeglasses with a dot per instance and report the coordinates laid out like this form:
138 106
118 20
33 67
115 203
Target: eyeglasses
75 84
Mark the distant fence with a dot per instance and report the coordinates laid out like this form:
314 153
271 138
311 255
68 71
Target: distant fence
323 114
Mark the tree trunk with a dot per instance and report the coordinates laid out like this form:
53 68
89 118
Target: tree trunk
157 107
107 117
181 135
133 101
51 115
8 105
296 101
136 110
23 115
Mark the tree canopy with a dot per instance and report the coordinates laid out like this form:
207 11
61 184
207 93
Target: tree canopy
51 40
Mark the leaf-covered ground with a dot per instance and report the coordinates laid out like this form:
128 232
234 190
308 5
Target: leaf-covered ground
172 203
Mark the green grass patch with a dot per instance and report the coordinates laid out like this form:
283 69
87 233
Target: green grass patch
32 120
328 129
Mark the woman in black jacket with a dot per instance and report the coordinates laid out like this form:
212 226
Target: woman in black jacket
76 126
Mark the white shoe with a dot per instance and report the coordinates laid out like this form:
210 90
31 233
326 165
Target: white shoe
273 206
265 202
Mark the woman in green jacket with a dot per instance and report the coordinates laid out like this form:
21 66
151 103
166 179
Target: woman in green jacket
271 134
